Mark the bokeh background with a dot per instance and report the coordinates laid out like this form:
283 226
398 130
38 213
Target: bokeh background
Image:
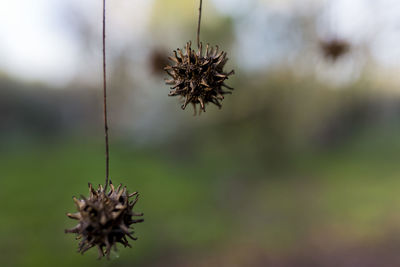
300 168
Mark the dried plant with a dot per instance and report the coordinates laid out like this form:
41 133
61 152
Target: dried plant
334 49
158 60
104 218
196 77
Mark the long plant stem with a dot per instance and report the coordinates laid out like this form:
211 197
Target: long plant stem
198 25
105 99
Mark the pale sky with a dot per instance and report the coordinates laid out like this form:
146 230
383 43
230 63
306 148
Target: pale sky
34 45
30 46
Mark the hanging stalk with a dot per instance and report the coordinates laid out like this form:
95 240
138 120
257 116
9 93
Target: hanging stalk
198 25
107 153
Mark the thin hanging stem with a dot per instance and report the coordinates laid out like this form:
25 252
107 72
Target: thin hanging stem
198 25
105 98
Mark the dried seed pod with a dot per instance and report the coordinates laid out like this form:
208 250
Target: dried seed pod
158 60
104 219
335 48
198 78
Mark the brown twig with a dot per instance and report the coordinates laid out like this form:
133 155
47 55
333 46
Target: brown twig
198 25
105 97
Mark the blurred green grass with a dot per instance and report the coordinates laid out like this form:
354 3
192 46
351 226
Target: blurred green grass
348 194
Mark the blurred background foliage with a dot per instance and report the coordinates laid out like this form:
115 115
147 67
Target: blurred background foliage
299 168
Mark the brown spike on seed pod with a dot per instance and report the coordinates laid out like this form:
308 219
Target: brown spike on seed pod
104 219
198 78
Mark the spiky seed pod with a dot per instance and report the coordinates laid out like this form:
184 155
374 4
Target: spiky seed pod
335 48
158 60
198 78
104 219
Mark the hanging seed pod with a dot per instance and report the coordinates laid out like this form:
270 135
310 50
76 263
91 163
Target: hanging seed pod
104 219
198 78
335 48
158 60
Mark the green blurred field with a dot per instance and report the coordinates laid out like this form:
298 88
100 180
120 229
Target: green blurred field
196 210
